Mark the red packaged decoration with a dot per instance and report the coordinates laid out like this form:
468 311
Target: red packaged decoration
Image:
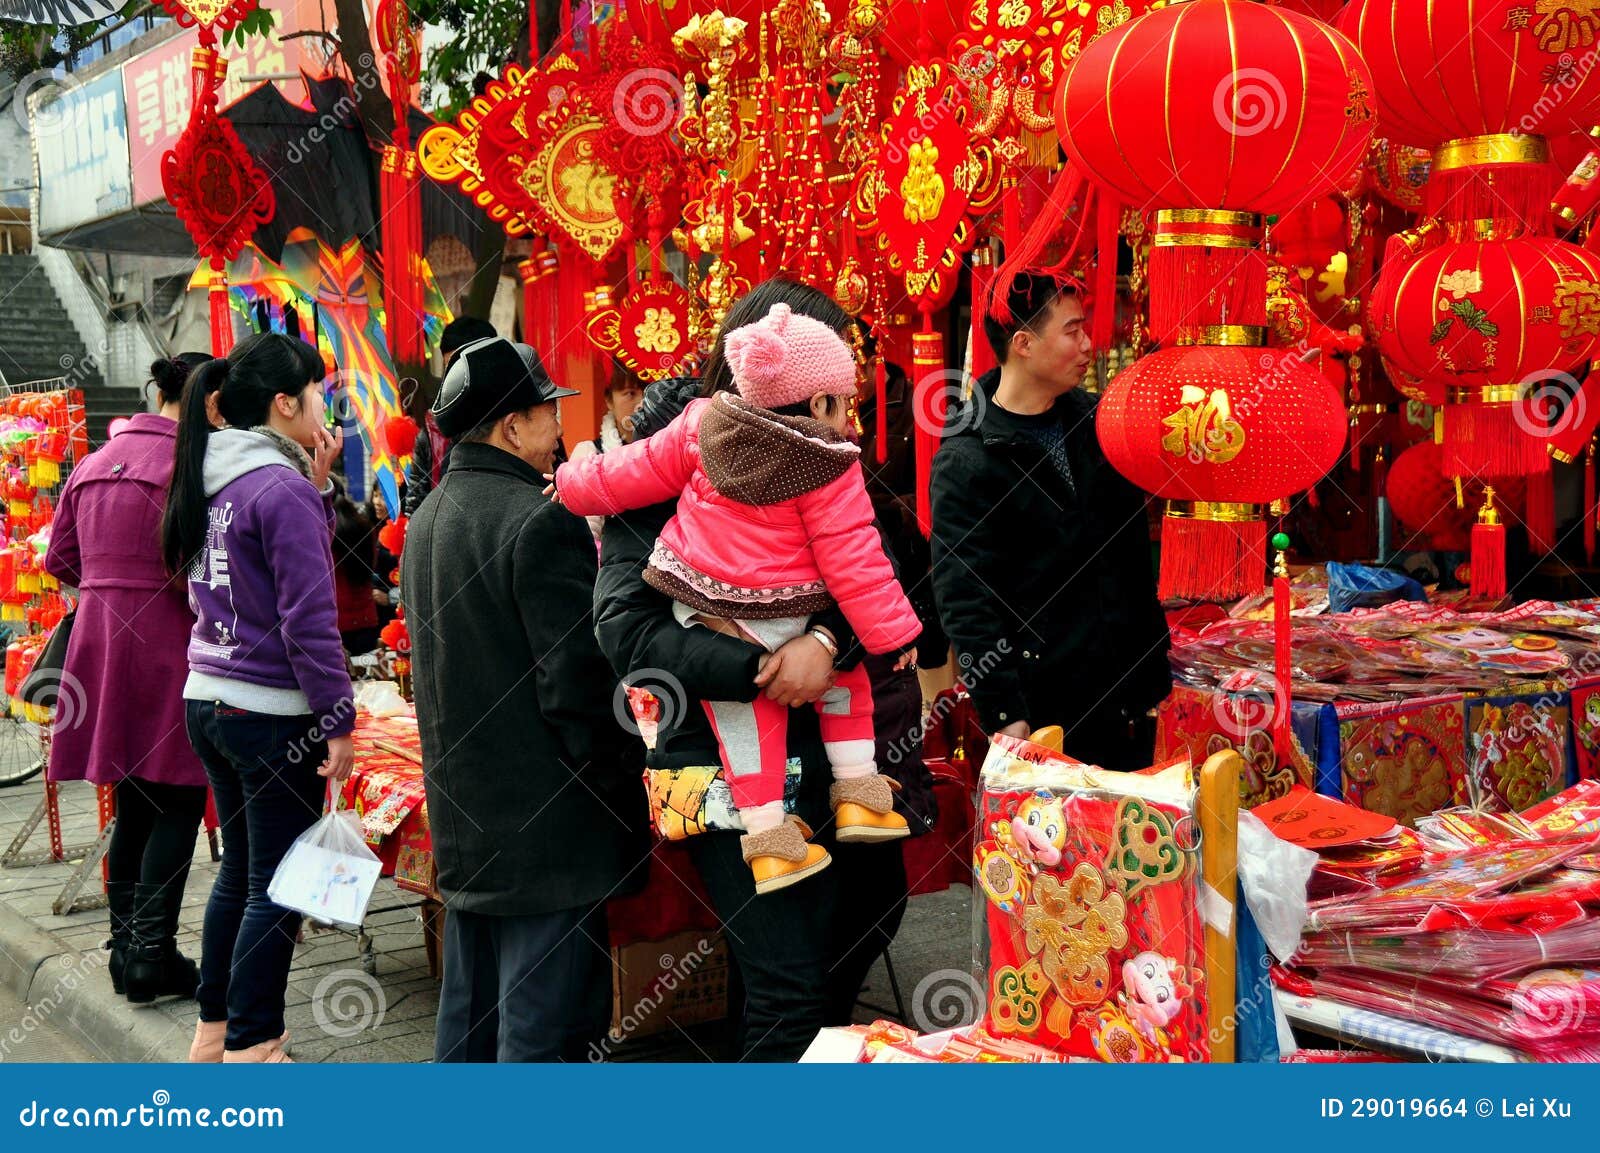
1094 943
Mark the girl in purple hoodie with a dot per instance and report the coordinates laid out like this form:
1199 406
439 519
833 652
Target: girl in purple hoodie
249 522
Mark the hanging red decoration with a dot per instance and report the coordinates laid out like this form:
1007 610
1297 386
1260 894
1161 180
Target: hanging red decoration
1219 432
1452 69
400 436
401 195
209 15
648 333
1218 104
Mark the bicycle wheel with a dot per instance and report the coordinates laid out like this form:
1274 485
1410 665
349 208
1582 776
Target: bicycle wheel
21 754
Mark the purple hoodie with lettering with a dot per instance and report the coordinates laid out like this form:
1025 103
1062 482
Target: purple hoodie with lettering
266 634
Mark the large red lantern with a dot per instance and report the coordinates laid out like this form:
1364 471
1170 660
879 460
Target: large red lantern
1449 69
1219 431
1219 104
1490 320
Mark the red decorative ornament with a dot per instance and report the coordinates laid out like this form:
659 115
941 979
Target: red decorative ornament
209 14
396 636
1221 104
1219 431
1490 321
215 187
392 536
400 191
1308 237
400 436
648 333
1450 69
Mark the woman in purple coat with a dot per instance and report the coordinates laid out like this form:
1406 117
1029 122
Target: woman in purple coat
128 655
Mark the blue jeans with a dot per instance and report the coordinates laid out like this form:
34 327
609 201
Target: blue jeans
263 773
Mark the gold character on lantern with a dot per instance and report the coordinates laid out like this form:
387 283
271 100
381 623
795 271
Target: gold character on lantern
1517 19
587 190
1204 428
1579 304
1015 14
657 331
923 186
1566 24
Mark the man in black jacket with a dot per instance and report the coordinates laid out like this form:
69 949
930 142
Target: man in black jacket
1041 550
536 811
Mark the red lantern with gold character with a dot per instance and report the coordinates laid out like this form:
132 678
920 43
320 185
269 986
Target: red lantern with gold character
1219 431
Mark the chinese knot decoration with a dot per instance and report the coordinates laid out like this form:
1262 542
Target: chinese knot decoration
214 187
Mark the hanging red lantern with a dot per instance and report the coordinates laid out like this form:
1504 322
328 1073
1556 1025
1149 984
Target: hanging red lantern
1221 104
1450 69
1308 237
1489 320
908 23
1219 431
1484 83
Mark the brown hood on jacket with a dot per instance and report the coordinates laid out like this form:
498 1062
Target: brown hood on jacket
756 457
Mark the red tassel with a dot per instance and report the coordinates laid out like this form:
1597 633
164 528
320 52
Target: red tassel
929 399
979 353
1487 440
1103 328
1194 287
1541 518
1211 560
221 314
1282 666
400 435
1488 552
1518 196
1055 220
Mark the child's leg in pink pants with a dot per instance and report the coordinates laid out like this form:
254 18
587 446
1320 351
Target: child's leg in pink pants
844 715
752 738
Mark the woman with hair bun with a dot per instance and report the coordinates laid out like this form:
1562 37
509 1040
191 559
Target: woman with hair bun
119 715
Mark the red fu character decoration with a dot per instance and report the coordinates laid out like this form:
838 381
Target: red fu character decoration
209 178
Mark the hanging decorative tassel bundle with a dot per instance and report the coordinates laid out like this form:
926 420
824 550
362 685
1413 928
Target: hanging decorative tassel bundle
1206 269
929 401
1505 180
1212 551
1103 326
1485 436
979 352
1488 551
1575 200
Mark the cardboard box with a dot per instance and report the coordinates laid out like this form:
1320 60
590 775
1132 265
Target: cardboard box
681 980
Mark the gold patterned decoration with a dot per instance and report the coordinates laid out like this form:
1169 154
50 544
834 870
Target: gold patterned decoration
1144 850
1203 429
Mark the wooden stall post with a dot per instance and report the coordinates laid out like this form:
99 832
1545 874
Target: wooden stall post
1219 853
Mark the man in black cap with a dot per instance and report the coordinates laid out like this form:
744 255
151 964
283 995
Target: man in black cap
537 812
431 454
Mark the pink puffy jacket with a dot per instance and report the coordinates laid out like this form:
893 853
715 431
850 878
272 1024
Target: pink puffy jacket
773 518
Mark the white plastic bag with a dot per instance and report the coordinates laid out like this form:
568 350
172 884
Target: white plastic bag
381 699
329 873
1273 874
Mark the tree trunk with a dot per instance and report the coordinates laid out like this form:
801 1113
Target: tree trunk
487 256
372 104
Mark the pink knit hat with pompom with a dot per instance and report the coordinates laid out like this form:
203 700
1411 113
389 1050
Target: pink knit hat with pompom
786 359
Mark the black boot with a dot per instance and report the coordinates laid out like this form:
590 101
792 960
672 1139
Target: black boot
119 899
155 967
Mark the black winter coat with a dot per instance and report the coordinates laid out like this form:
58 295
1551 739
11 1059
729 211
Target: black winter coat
534 794
1047 591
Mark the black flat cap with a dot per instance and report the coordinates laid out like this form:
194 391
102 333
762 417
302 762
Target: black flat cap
488 379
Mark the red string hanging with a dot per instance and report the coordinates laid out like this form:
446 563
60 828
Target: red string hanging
880 414
1282 662
221 316
1541 518
1102 329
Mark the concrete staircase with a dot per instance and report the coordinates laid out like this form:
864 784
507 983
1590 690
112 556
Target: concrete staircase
39 342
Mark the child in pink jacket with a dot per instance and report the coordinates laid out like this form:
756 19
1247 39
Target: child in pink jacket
773 524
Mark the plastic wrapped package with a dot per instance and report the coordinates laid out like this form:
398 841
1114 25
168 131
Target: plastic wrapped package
1090 939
